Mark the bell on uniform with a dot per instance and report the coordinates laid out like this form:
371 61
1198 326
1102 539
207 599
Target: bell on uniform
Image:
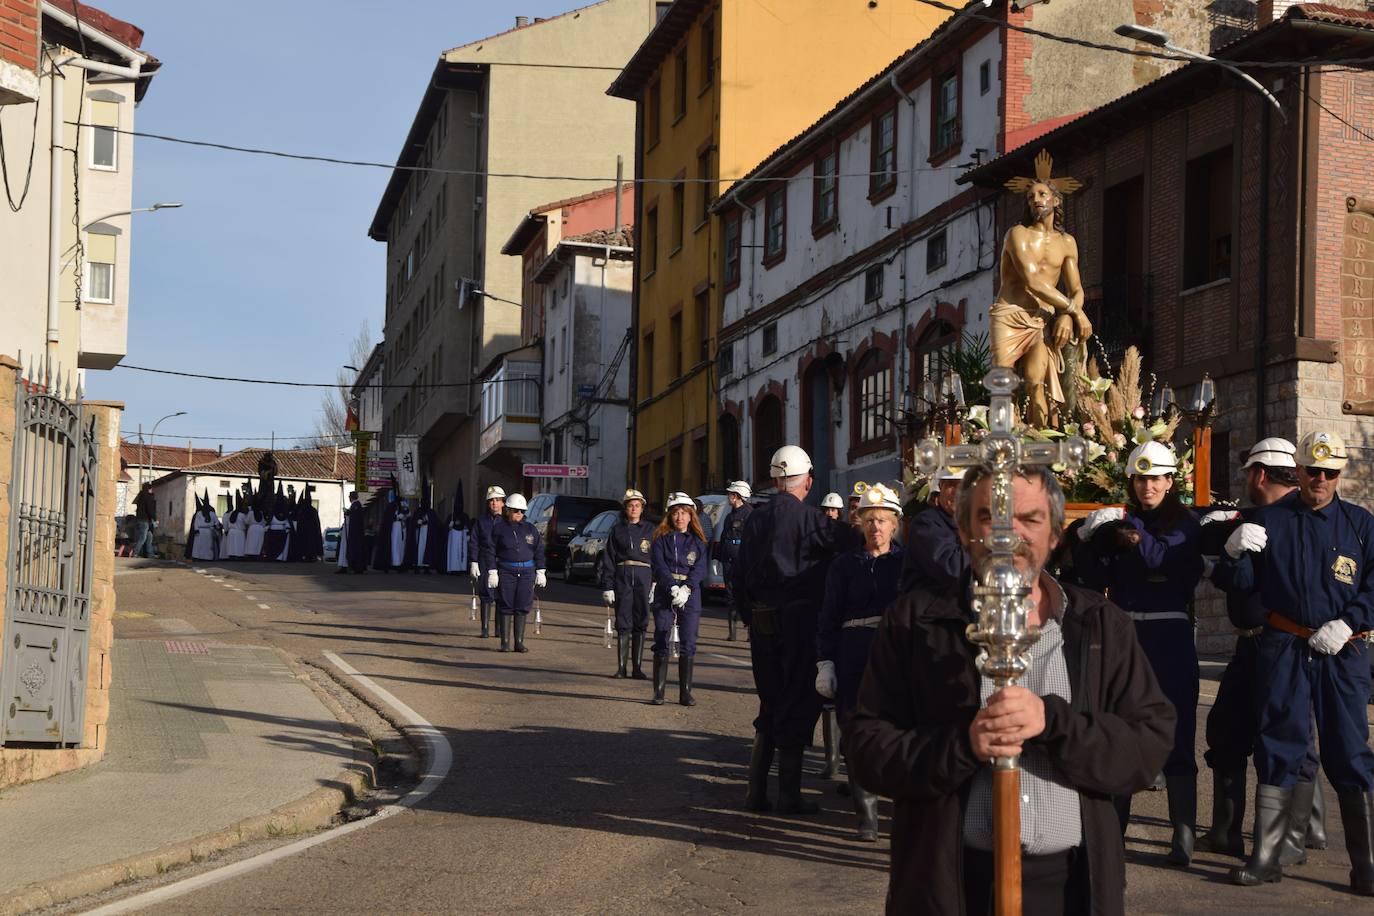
475 602
538 622
673 640
609 631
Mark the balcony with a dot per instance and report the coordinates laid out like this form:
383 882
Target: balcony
510 412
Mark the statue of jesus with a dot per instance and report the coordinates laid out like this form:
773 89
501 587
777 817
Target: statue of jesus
1032 321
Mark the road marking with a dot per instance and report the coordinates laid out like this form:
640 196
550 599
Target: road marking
265 607
438 761
251 597
733 661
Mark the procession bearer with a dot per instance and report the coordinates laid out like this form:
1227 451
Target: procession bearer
478 534
778 582
623 572
732 535
1310 555
514 558
679 564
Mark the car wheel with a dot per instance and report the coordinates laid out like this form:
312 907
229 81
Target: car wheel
568 568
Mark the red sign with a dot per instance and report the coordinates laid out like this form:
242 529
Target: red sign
555 470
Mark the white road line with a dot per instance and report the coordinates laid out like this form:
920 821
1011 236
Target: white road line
438 761
265 607
251 597
733 661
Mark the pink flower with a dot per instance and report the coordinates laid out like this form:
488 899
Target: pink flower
1138 413
1111 456
1119 439
1090 428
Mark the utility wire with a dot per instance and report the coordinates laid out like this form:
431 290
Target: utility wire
312 436
335 385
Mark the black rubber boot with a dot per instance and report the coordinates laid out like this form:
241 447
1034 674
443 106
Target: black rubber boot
622 654
1182 789
638 656
1271 823
660 680
733 621
830 735
1357 817
790 800
760 762
866 807
503 626
1294 851
684 680
1228 814
484 610
1316 827
520 632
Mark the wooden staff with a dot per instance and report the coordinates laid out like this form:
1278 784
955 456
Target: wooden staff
1006 836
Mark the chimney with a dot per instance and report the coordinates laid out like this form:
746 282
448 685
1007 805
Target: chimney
1267 11
521 21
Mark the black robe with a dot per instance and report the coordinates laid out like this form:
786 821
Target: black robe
274 540
308 542
381 550
356 529
436 541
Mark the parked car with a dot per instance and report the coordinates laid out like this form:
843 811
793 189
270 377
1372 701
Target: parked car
712 508
584 551
560 518
331 544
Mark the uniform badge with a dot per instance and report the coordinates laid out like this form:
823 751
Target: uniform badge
1344 570
644 545
529 539
691 556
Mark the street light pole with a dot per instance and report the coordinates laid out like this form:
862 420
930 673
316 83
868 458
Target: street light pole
1161 40
152 435
165 205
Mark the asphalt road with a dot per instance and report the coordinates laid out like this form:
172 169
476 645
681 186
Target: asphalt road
569 793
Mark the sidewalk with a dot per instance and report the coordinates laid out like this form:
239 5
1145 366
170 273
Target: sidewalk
204 739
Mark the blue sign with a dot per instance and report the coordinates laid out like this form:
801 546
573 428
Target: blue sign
586 391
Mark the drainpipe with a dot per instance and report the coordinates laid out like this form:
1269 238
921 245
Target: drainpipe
902 348
1262 294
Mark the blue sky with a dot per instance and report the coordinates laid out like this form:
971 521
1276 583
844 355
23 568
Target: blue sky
267 271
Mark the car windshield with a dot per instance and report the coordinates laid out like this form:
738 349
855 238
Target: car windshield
713 512
575 512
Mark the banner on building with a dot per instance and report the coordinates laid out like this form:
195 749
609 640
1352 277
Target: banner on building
362 448
408 465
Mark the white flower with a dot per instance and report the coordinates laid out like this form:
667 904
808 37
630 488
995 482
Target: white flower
1099 386
1142 435
1095 451
979 414
1070 429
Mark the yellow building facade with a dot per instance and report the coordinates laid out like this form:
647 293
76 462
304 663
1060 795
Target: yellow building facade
720 84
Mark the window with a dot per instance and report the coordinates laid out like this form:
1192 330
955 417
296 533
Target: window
730 270
708 51
679 215
661 10
775 224
98 283
770 339
104 135
945 118
1207 219
703 319
936 252
873 389
646 366
708 190
653 105
934 355
768 435
703 469
826 184
725 359
680 84
650 241
563 366
984 77
728 433
675 466
675 341
873 283
883 159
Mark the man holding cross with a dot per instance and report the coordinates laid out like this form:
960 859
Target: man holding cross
1090 723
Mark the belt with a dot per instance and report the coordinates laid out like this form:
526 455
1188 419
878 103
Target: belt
1283 624
1159 615
518 564
1252 631
680 577
632 563
869 622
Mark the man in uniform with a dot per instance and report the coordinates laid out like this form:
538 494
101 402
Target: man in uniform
732 535
779 584
478 535
935 559
1309 556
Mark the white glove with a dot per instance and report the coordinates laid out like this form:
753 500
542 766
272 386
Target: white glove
1099 517
608 596
1209 565
825 679
540 580
493 579
680 596
1331 637
474 570
1248 536
1220 515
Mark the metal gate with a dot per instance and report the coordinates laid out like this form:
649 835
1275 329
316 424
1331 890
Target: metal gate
43 661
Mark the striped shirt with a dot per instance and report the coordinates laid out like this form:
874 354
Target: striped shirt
1051 819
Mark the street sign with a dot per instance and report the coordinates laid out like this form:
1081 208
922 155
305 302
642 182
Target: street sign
586 391
380 467
578 471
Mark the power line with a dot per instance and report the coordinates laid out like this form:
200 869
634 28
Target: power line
267 438
335 385
1318 102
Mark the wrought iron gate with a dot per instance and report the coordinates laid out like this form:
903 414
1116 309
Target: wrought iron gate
43 659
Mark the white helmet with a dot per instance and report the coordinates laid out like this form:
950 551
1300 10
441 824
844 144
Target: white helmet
495 493
880 496
1151 459
1273 452
948 473
681 499
832 501
741 489
789 461
517 501
1322 450
632 493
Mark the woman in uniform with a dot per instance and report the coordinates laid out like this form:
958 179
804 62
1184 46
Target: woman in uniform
858 589
623 570
832 506
513 554
1148 560
679 562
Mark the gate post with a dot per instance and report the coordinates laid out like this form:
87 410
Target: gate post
107 416
9 384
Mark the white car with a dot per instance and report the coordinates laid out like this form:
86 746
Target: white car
331 544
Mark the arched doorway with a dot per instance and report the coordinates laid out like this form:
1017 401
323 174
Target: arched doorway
768 436
729 447
818 432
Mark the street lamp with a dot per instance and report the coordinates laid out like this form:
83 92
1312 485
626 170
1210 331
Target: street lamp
142 477
164 205
1200 414
1161 40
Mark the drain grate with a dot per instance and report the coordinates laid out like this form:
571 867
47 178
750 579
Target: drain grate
182 647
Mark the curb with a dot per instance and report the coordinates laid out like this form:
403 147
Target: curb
304 815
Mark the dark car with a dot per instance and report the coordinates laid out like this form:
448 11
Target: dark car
561 518
712 509
584 551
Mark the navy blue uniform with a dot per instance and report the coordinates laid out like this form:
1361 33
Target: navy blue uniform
678 558
778 582
1154 583
731 537
623 567
1314 569
935 559
478 535
516 550
858 589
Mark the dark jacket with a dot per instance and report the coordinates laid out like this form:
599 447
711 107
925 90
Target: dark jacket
935 558
786 553
909 739
145 503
